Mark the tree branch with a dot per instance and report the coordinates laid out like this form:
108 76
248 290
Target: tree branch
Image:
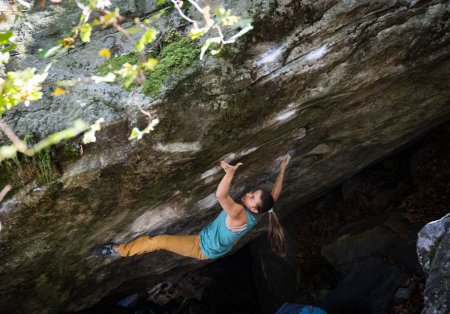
20 145
3 192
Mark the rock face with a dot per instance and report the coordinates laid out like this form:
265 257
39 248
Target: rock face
376 257
429 239
339 83
432 249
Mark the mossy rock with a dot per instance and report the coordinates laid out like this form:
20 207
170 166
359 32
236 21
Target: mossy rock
178 54
175 58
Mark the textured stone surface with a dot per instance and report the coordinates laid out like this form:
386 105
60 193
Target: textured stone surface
384 235
340 83
429 239
371 295
433 251
375 257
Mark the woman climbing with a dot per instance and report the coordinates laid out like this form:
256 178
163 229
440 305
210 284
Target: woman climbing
218 238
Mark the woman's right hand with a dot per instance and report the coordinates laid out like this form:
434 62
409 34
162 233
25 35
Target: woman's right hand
229 168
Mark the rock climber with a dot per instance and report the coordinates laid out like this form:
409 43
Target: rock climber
219 237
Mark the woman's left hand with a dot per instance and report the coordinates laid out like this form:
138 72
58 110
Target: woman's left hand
285 162
229 168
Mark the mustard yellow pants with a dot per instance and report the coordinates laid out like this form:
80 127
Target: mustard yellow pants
186 245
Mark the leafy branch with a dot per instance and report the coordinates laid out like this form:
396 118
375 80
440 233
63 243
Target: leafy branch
25 86
18 145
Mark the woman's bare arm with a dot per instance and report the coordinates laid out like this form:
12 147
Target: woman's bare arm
232 208
276 190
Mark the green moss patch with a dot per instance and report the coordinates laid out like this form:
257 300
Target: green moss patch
177 54
175 58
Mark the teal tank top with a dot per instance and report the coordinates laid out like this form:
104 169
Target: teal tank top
217 240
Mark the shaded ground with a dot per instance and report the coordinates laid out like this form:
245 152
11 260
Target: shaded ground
415 181
222 287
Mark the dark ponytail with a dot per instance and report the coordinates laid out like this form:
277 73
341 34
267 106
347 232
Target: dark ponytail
277 234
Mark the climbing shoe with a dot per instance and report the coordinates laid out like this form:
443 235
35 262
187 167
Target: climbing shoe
105 250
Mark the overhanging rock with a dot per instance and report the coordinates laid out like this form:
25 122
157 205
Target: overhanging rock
341 83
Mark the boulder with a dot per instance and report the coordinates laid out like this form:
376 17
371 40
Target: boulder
343 83
376 259
387 235
433 251
367 286
429 240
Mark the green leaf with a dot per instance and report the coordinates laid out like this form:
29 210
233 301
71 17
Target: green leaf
49 53
215 51
220 11
89 136
86 31
9 48
160 2
146 38
133 30
4 37
195 33
206 45
135 134
243 23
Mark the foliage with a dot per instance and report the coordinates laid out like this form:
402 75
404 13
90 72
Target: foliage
22 169
89 136
10 151
25 86
41 160
137 134
20 86
116 63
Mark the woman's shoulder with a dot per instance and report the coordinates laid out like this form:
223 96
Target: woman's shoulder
240 217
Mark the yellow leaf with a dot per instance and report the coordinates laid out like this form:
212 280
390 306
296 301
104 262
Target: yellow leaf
150 64
59 91
105 53
86 30
68 41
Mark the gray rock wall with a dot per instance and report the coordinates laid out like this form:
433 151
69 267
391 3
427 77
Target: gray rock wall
340 83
